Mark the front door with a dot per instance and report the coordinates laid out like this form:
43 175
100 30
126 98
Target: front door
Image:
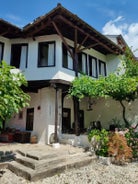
66 120
30 119
81 119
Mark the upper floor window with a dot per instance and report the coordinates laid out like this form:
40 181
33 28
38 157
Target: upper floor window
82 63
19 54
67 60
92 67
1 50
46 54
102 68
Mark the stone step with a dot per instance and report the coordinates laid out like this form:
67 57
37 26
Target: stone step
52 159
51 169
35 164
37 155
21 170
56 169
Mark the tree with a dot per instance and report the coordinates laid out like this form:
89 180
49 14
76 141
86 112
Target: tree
121 85
12 97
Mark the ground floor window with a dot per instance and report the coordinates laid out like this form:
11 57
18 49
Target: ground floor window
30 119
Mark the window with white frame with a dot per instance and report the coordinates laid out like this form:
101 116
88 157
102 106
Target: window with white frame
46 54
102 68
67 61
1 50
92 67
82 63
19 55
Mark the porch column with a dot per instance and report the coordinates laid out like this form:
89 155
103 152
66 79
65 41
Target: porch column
76 116
56 113
75 100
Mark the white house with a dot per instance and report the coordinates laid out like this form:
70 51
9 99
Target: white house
51 51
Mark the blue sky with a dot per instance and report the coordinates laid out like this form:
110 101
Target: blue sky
106 16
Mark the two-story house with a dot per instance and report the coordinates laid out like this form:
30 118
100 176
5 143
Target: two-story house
51 51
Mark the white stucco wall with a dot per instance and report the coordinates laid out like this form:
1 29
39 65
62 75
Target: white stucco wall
113 62
44 118
16 122
32 72
7 49
104 110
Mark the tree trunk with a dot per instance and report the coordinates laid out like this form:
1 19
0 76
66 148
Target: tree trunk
124 114
136 126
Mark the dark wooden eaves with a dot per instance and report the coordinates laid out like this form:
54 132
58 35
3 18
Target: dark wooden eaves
8 30
68 23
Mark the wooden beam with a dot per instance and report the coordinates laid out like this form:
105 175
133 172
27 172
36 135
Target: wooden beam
38 28
75 40
83 32
3 33
88 47
63 39
84 40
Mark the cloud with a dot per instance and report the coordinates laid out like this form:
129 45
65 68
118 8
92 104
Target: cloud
101 8
119 18
13 17
128 31
14 20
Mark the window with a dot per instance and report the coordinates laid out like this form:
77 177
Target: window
30 119
19 54
1 50
102 68
92 66
82 63
46 54
67 59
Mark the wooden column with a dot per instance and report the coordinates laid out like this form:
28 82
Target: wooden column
76 116
75 100
56 113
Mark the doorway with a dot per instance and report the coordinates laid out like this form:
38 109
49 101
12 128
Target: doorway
30 119
66 120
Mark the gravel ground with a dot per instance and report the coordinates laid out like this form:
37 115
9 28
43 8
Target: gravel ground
95 173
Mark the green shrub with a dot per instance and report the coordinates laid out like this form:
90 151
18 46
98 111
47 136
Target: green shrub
99 141
118 148
132 141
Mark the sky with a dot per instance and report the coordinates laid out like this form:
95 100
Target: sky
106 16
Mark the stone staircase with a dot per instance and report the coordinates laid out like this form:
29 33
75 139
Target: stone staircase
35 165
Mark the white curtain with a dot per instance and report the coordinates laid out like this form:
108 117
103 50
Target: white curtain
83 63
70 61
102 69
93 67
51 54
23 57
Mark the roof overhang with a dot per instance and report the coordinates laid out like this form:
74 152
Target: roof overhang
34 86
9 30
68 25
